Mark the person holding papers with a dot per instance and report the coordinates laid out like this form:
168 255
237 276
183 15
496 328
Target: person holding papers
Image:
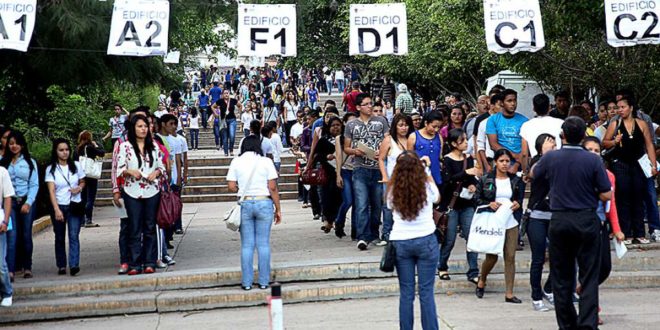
631 139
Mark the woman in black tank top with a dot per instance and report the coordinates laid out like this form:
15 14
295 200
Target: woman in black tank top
631 139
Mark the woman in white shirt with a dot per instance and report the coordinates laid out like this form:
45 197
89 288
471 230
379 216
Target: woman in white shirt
6 194
246 118
193 127
411 193
254 177
139 165
494 189
65 180
290 108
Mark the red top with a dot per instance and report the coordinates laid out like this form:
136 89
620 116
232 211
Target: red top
349 100
612 215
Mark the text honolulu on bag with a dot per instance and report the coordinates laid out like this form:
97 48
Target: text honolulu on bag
232 217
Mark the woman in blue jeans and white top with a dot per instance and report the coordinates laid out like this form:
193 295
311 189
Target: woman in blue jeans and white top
254 176
390 149
66 180
411 194
25 179
6 194
455 173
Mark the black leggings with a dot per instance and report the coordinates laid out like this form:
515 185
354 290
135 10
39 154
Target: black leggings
605 256
631 187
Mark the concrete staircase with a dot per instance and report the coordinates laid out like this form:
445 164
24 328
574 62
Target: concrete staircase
207 170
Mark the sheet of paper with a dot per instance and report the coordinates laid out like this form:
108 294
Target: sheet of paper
646 165
466 194
121 211
504 212
369 153
619 248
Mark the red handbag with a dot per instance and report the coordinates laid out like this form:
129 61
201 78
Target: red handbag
314 177
169 209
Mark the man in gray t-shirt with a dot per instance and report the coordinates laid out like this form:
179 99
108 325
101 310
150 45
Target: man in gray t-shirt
367 188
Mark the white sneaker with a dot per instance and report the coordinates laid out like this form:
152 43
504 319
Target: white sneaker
655 236
549 297
362 245
6 302
539 306
160 264
381 243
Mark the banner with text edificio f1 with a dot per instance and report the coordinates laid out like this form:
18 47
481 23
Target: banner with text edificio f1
630 23
513 25
17 19
265 30
378 29
139 28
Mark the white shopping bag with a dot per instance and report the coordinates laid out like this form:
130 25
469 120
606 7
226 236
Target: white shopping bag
487 232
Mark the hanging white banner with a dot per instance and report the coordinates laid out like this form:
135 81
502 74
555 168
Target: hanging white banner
139 28
513 25
632 23
378 29
17 19
265 30
172 57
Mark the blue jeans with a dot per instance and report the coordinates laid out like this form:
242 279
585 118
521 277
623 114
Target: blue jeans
71 224
142 249
91 187
204 111
218 134
19 240
651 203
340 85
464 218
346 199
537 232
194 138
368 199
5 284
388 219
419 254
328 84
230 136
246 131
256 220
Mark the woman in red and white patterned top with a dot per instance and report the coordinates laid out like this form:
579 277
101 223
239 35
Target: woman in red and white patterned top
139 165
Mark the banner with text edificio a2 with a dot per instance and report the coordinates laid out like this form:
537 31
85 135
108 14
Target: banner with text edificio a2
139 28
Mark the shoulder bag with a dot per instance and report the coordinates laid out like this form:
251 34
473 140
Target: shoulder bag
232 217
441 219
314 176
91 166
388 260
170 207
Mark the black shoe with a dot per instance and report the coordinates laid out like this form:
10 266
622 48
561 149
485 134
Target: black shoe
61 271
339 232
480 292
246 288
513 300
317 216
178 232
169 245
263 287
74 270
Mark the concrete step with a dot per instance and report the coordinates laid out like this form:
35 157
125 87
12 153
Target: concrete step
210 180
217 171
206 198
230 297
218 160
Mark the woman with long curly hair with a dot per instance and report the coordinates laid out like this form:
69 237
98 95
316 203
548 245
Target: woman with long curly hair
411 193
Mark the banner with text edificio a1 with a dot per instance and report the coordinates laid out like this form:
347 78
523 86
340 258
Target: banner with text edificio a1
17 19
265 30
378 29
630 23
139 28
513 25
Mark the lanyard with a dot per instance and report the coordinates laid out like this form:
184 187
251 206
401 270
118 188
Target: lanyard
68 172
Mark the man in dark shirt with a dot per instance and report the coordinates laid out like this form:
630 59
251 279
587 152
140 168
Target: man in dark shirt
575 227
227 107
562 105
377 87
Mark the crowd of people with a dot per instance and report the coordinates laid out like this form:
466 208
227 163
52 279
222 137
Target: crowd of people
392 158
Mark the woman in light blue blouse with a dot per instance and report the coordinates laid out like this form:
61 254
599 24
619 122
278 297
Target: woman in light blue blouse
25 178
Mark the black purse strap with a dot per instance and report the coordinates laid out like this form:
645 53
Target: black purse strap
459 184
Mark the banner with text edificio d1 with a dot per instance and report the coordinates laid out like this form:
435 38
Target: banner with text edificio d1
630 23
513 26
17 19
265 30
378 29
139 28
